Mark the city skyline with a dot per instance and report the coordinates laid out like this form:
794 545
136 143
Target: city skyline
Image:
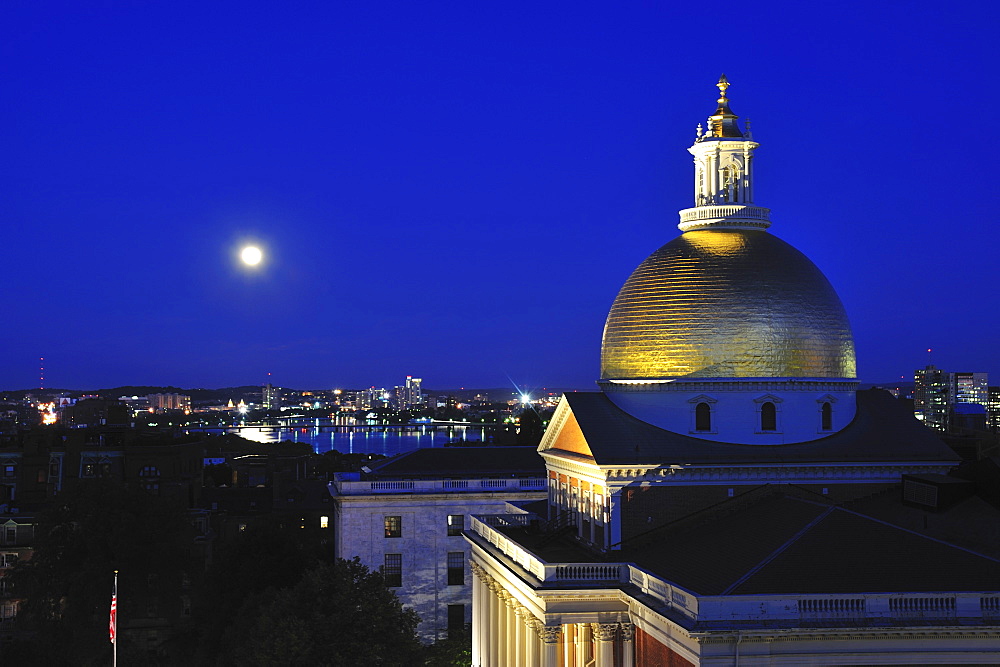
444 190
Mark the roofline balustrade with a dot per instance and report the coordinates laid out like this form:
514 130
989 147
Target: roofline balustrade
346 487
841 610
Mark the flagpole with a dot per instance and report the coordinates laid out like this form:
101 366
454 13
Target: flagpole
114 622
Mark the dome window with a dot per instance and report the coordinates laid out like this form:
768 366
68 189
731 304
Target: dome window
768 417
703 417
825 405
702 408
767 413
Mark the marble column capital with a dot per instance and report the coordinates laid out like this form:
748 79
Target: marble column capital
628 631
549 633
604 632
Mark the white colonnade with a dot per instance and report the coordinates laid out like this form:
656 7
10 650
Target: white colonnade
505 633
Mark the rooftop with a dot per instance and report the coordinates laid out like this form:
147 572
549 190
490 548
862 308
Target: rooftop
448 462
882 431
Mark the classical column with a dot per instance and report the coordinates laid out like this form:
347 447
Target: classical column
568 643
530 640
628 648
605 633
492 643
582 643
517 635
549 634
478 617
501 636
614 518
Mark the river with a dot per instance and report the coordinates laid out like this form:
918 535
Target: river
366 440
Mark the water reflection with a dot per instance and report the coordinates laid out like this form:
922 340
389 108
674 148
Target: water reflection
374 440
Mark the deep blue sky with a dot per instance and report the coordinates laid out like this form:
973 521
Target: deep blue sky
458 190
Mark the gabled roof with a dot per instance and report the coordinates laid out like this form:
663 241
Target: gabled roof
882 431
786 545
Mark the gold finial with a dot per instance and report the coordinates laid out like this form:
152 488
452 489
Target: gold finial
723 122
723 86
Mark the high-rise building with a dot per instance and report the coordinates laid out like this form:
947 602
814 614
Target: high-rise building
271 397
412 394
993 408
937 392
716 502
932 397
971 388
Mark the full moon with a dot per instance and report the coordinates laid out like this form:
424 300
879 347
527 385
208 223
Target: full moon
251 255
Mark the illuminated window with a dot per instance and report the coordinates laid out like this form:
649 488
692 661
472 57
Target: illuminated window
456 524
826 417
768 417
392 570
703 417
324 522
456 568
394 526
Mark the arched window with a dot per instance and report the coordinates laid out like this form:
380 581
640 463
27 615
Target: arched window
826 417
768 417
703 417
731 183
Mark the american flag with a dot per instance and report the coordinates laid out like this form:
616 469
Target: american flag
113 622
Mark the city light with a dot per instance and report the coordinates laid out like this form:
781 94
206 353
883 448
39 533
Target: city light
48 413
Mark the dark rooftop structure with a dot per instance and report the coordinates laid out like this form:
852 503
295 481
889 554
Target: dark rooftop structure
459 462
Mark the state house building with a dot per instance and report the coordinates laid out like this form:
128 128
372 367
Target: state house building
729 497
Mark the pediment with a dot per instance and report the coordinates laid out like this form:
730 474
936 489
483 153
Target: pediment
564 433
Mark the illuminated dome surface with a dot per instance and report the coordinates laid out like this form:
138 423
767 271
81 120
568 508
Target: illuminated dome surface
727 303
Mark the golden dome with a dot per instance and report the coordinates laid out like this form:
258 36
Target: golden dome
727 303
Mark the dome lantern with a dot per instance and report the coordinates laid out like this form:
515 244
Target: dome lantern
723 174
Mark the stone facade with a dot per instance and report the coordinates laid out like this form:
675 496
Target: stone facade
417 525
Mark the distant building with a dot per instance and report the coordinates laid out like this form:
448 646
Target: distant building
932 397
412 395
971 388
406 515
271 397
993 408
17 533
163 402
936 393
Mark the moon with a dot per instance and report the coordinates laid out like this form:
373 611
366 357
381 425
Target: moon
251 255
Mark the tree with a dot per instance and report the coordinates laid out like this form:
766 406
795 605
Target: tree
99 526
263 556
340 613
